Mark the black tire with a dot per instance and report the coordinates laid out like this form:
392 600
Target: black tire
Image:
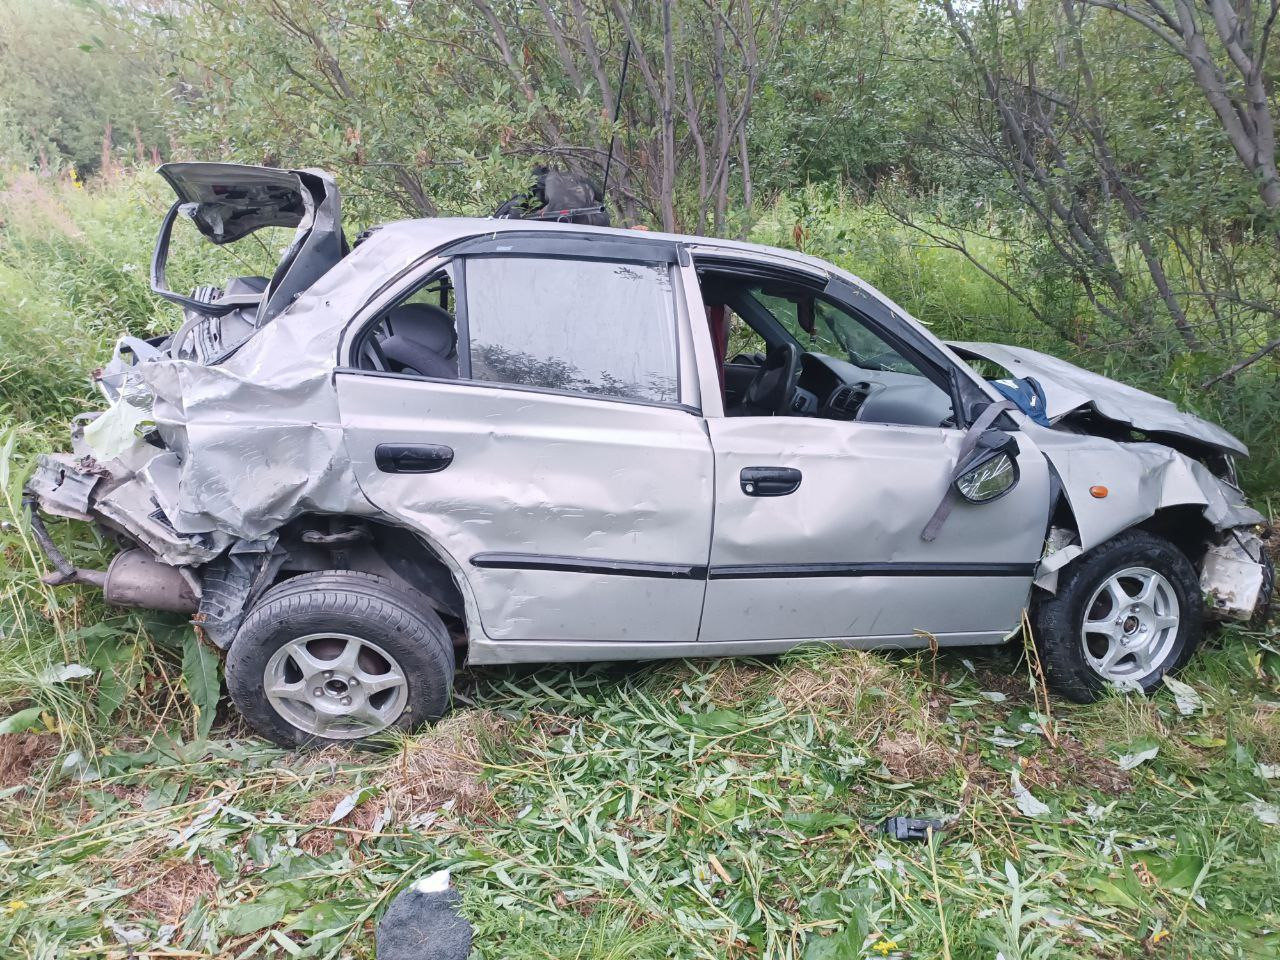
397 619
1058 619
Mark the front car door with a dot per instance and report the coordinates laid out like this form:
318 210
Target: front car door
841 556
561 462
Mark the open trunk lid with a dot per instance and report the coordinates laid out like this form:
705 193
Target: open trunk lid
229 201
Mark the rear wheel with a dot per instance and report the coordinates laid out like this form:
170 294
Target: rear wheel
339 656
1124 615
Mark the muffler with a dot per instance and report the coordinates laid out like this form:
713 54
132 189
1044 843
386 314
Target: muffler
133 579
136 579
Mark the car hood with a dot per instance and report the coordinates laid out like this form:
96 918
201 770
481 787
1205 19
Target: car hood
1068 388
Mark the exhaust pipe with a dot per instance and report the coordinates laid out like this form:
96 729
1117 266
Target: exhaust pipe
133 579
136 579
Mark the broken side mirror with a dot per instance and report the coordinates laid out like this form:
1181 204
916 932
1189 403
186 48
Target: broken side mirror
991 470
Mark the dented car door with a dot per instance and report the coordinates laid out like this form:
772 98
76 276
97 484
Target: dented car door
562 466
819 523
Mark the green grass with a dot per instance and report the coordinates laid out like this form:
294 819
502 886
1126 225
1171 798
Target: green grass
693 809
690 809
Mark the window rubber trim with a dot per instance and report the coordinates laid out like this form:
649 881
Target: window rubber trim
516 388
566 245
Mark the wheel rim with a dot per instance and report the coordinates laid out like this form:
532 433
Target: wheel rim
335 685
1130 624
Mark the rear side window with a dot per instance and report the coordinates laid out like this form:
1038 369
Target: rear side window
595 327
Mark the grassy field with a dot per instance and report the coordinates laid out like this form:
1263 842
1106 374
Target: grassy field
691 809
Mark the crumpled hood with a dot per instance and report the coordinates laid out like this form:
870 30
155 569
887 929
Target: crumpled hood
1068 388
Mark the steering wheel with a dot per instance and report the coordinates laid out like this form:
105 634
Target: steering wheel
773 388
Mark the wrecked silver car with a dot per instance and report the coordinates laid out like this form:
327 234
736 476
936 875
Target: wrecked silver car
510 442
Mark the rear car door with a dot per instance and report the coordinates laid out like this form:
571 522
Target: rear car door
818 523
563 467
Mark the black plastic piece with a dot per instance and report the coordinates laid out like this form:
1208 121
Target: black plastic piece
412 457
66 570
618 568
908 828
769 481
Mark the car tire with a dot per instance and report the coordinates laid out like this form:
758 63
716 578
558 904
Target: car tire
338 656
1124 614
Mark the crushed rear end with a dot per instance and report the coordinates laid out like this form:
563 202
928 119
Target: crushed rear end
121 473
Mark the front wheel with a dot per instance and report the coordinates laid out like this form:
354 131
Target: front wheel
1124 615
339 656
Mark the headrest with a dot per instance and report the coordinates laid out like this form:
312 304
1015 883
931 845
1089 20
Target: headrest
424 324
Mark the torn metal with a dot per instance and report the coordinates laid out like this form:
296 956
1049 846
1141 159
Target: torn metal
1234 577
1069 389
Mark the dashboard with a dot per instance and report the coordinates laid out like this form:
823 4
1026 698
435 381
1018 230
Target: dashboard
835 389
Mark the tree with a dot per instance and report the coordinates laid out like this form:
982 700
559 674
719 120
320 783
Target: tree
71 89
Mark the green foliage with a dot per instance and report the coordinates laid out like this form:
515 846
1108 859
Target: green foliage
68 77
615 820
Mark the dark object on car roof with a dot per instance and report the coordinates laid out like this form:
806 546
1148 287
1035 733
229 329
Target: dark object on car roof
424 924
559 196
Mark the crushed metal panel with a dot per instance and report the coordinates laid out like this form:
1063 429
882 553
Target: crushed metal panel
1232 579
257 440
1068 387
1060 548
64 484
1140 478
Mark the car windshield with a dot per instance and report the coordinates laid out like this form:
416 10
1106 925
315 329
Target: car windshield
836 333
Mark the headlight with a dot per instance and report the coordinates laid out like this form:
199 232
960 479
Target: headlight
988 479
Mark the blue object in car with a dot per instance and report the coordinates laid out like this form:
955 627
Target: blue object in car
1027 394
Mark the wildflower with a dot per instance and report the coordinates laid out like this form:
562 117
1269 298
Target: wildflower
884 946
13 906
1162 935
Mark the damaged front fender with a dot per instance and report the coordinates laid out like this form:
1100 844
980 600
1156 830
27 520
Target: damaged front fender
1111 486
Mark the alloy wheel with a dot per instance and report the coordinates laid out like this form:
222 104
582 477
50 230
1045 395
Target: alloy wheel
1130 625
335 685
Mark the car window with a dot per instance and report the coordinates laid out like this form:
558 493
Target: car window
837 333
596 327
742 339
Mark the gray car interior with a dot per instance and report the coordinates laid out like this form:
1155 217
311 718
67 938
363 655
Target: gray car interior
821 385
416 338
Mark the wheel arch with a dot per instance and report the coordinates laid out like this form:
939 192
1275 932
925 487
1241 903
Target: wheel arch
315 542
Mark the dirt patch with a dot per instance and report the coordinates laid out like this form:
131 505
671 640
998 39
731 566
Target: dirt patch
732 682
168 891
359 821
20 753
1074 764
445 765
1261 730
847 684
912 759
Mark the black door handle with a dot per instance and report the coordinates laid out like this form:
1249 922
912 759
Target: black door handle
769 481
412 457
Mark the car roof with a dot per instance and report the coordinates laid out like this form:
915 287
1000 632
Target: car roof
437 231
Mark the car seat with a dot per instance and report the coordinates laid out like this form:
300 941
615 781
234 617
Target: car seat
421 338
